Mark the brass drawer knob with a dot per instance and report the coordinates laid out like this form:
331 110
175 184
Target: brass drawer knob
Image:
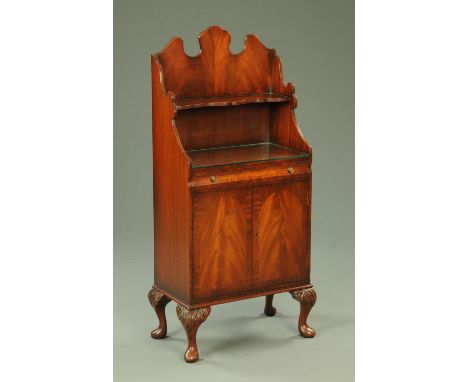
290 170
213 179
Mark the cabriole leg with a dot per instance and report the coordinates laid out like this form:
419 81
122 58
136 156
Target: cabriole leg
306 298
159 301
191 320
269 308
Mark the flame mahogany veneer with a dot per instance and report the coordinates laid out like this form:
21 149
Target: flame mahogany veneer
232 183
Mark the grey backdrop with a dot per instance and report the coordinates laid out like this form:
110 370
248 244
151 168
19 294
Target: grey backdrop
315 40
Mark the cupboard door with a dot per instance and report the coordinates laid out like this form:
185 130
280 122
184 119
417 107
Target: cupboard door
222 243
281 234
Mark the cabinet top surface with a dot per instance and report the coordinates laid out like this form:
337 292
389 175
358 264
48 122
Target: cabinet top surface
258 152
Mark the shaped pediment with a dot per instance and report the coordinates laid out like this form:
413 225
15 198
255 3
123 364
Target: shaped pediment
216 71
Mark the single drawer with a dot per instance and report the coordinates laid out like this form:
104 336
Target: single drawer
249 173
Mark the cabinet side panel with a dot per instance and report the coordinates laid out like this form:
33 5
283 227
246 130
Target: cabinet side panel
172 205
284 129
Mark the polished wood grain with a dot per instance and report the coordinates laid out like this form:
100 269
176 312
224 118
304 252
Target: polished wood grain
280 234
172 201
285 131
228 259
248 174
222 252
227 126
231 182
218 72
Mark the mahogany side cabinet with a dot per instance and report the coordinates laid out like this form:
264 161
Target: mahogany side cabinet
232 183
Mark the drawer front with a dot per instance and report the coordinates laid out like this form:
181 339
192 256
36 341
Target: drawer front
249 174
222 243
281 234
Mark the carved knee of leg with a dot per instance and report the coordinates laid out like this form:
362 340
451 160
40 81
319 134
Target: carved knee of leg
306 298
191 320
159 301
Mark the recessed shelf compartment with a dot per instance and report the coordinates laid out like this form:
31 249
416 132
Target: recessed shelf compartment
259 152
194 103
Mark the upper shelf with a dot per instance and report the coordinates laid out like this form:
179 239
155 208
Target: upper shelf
192 103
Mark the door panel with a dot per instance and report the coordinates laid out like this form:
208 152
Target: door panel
281 234
222 243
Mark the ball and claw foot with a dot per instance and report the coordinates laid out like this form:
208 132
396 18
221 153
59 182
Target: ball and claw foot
269 310
159 301
191 320
306 298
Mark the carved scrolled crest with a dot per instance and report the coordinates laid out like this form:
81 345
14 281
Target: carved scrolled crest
193 317
216 71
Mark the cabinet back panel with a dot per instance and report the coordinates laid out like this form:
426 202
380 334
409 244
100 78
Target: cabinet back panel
223 126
